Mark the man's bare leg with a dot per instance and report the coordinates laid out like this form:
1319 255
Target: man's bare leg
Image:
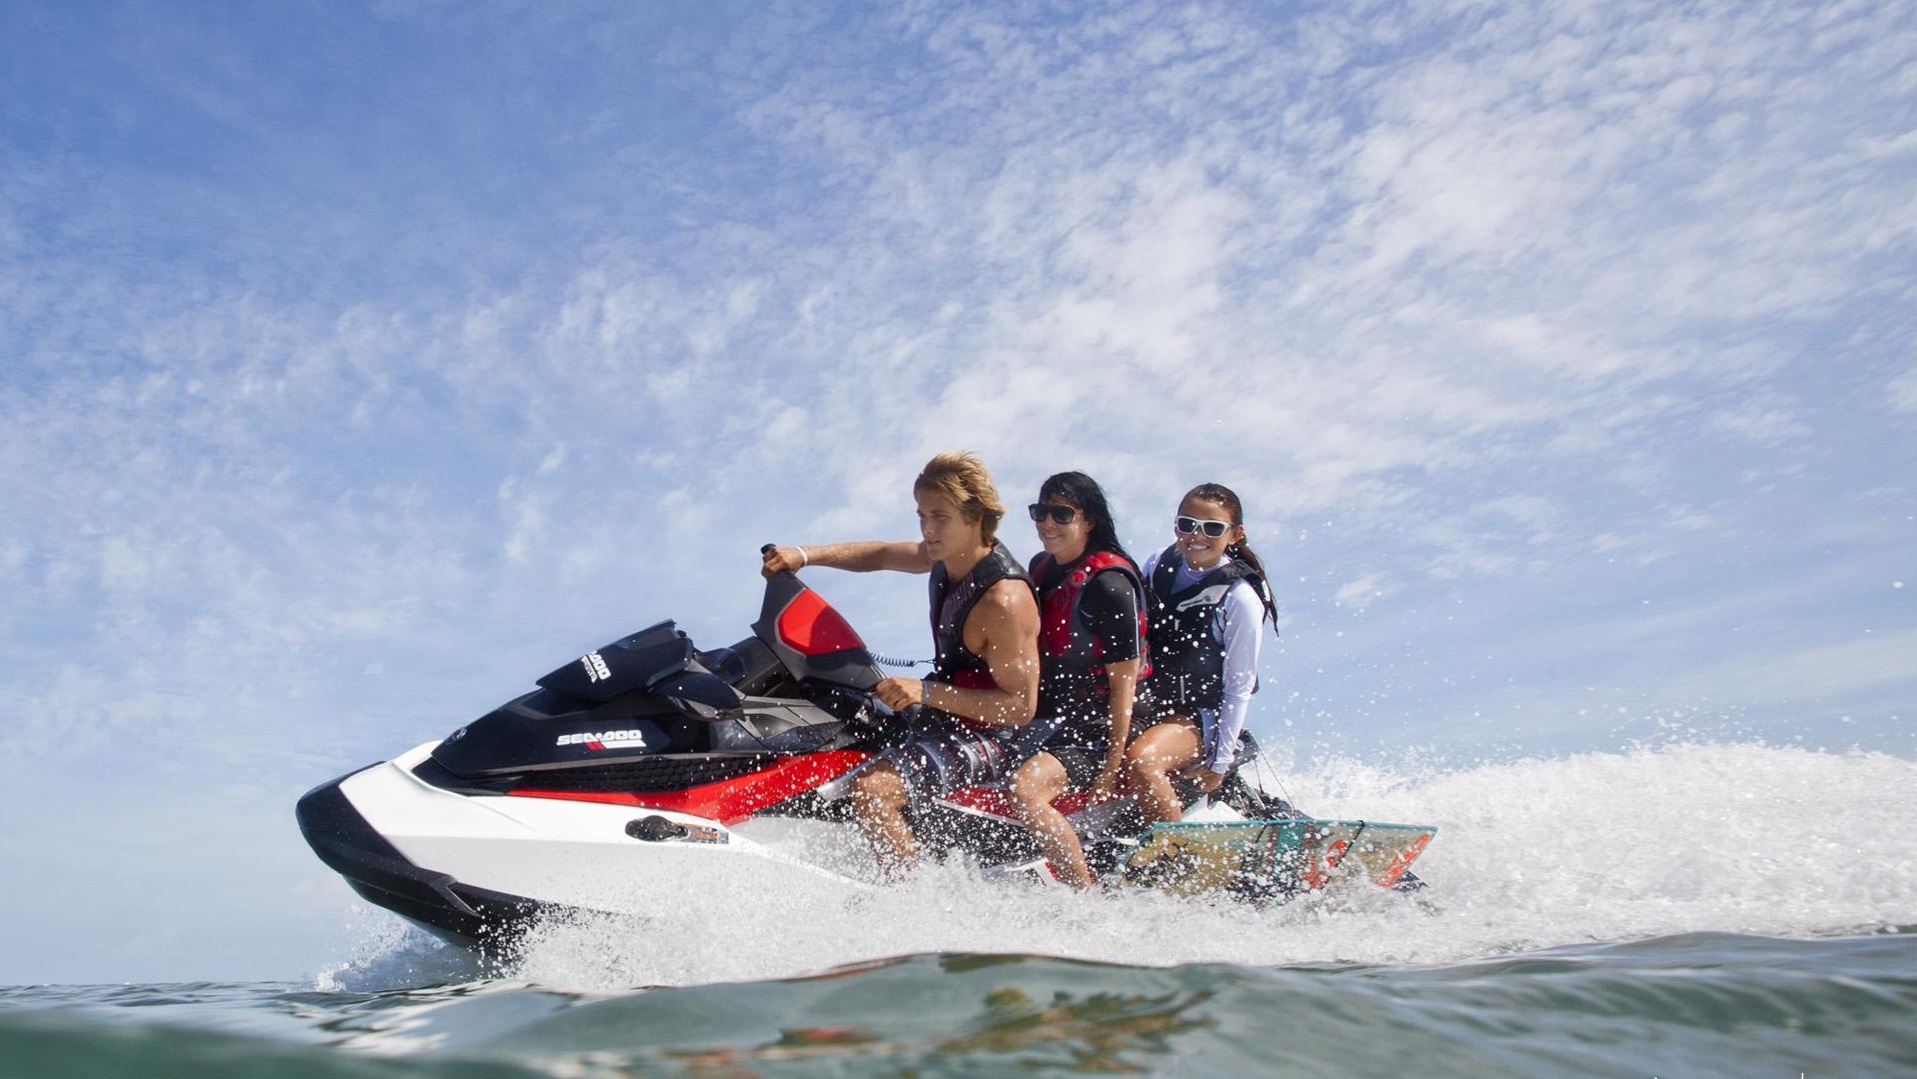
1034 785
1150 762
878 801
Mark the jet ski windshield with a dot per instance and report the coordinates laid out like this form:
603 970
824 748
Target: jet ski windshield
813 640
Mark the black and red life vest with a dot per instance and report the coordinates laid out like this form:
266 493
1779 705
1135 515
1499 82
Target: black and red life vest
1064 643
952 603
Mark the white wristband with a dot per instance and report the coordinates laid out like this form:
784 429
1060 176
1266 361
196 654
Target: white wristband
804 561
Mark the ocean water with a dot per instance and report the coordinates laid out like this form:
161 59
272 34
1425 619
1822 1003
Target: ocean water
1696 910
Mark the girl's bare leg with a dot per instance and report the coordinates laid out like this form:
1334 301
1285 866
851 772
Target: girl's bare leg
1150 762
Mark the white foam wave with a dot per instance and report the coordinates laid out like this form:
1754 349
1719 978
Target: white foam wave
1742 838
391 953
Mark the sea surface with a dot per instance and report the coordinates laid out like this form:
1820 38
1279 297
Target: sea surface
1694 910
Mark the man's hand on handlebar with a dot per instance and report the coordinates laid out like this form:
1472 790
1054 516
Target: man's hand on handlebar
781 559
898 694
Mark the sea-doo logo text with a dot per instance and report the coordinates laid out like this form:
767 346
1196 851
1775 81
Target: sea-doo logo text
600 739
596 668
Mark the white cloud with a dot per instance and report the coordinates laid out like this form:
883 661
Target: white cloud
1363 592
1903 391
1873 663
1760 423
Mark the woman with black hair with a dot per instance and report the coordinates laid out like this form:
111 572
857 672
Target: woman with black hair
1091 657
1209 601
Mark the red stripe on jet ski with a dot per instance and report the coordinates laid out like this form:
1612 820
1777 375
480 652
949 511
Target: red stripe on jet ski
728 801
988 801
996 802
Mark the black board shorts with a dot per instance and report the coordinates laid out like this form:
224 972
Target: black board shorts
943 753
1077 735
1081 765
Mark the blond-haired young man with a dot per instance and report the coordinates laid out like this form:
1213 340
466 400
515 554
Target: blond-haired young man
984 680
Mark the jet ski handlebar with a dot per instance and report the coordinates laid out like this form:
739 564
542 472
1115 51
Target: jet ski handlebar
809 636
814 640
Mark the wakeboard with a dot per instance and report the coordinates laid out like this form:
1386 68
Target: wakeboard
1274 860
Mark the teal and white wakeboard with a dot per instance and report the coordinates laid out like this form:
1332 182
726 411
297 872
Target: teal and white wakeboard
1272 859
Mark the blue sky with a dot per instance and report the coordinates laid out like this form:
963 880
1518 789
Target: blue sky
364 361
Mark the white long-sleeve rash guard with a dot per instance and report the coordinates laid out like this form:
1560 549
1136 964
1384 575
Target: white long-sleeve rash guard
1237 625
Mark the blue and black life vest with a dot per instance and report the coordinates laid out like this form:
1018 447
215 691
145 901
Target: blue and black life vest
1188 658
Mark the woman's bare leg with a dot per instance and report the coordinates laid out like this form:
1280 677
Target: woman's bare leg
1150 762
1034 785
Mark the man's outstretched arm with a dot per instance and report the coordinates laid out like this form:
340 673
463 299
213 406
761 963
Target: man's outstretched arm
859 556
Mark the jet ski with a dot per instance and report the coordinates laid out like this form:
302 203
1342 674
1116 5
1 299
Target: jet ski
651 759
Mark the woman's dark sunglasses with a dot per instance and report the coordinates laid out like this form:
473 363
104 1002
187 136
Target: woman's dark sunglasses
1059 514
1211 529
